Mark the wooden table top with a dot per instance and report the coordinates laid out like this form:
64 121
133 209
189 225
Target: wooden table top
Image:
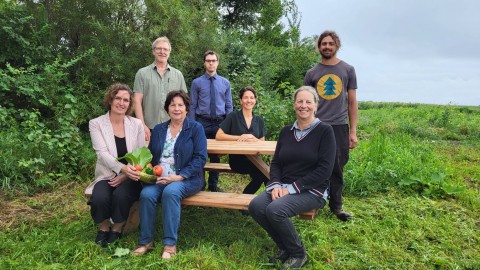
242 148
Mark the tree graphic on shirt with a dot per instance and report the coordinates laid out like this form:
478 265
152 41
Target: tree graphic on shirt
329 87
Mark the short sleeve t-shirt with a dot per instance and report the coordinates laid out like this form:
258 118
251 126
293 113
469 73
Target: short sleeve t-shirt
155 89
332 83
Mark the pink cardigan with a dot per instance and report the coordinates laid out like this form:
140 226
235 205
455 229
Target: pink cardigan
103 141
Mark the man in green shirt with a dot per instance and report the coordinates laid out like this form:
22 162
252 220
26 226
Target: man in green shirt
152 84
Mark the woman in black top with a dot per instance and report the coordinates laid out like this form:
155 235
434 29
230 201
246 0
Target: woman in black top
299 173
244 126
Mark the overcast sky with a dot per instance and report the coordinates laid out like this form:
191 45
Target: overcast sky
418 51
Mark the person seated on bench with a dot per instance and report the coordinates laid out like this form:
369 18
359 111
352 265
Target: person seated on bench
243 125
179 145
299 173
113 191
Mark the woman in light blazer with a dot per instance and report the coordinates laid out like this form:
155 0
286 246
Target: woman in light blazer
116 186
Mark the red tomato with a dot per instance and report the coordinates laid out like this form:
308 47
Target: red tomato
158 170
149 165
138 167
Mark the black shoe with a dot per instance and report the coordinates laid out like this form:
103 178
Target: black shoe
294 263
281 256
113 236
214 189
101 238
342 215
245 213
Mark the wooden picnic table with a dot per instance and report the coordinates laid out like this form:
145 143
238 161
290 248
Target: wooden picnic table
252 150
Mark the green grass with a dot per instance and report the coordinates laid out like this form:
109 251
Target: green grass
394 227
389 231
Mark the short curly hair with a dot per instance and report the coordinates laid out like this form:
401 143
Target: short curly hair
112 92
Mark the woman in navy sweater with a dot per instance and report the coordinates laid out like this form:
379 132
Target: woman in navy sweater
299 172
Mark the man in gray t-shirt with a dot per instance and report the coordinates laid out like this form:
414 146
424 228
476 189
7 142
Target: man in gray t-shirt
336 84
152 84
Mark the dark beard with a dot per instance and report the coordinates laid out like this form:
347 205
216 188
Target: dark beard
327 57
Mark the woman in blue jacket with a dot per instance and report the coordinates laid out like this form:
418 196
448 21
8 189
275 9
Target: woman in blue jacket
178 145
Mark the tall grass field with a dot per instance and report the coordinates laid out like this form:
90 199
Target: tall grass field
412 184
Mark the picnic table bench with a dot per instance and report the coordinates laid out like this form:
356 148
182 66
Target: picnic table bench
252 150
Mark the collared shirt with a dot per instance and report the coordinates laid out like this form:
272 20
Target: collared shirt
200 96
155 89
301 133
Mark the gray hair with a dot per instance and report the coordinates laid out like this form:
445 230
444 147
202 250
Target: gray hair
162 39
308 89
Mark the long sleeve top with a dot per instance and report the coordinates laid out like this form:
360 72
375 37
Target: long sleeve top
304 164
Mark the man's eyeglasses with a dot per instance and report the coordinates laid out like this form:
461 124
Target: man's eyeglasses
158 49
210 61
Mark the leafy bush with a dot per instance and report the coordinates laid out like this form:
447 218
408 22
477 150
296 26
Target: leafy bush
39 123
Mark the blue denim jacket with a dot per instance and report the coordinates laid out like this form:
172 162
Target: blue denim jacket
190 148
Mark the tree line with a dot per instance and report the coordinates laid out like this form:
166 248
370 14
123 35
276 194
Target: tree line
58 56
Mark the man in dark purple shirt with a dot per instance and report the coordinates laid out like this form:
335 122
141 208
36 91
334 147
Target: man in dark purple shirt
210 102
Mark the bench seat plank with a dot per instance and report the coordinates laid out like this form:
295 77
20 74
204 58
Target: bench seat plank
230 201
219 200
218 167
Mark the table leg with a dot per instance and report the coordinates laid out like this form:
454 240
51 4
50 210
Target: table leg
260 164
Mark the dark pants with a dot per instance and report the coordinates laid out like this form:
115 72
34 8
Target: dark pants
274 218
341 158
211 127
109 202
241 164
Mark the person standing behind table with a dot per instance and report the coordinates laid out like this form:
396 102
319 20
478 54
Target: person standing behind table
211 101
152 84
116 185
299 172
244 126
336 84
179 146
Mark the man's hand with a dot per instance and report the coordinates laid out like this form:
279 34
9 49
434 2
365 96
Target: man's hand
147 132
278 193
352 140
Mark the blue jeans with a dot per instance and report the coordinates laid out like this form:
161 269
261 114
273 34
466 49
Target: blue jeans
274 217
170 196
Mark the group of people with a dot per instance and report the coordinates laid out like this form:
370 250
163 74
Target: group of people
305 172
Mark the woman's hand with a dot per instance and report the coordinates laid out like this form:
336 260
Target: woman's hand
278 193
117 181
165 180
247 138
131 172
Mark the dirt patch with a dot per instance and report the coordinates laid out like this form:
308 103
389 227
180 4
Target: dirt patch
66 202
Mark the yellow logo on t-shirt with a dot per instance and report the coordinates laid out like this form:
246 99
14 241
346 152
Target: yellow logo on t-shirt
329 86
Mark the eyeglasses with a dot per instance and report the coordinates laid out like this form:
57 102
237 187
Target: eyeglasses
158 49
118 99
210 61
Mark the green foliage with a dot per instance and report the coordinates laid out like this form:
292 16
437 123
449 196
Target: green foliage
388 231
40 118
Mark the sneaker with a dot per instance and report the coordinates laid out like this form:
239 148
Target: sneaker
294 263
101 238
342 215
113 236
281 256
